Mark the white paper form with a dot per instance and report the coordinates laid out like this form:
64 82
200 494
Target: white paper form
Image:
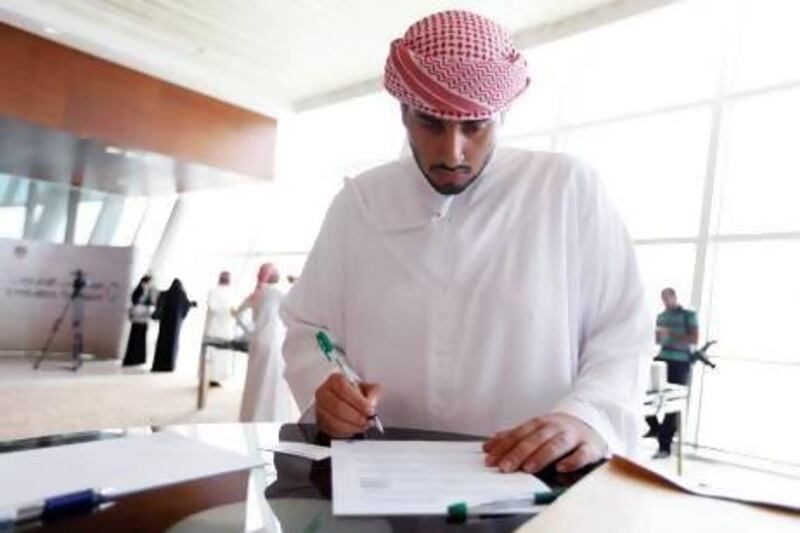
418 478
299 449
122 465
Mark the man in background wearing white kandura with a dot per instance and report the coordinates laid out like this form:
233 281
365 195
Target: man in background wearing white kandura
221 324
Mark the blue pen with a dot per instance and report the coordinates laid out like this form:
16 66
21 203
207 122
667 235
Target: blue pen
55 507
332 354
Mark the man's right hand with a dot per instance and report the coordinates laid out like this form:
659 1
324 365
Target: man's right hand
342 410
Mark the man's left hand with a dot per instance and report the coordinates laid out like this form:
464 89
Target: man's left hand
542 440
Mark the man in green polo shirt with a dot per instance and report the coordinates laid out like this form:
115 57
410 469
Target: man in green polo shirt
676 333
676 329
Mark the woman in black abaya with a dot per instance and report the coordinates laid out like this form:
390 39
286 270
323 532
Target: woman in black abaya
139 314
172 307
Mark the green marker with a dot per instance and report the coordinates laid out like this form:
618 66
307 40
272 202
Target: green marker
460 511
334 354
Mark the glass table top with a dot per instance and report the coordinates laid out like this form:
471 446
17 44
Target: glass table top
286 494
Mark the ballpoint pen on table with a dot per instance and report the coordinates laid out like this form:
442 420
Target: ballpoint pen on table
55 507
334 354
459 511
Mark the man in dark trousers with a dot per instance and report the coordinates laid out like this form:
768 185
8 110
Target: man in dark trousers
676 333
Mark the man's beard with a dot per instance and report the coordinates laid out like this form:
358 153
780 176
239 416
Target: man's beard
450 189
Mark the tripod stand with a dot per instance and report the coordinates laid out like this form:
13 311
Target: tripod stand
700 355
76 303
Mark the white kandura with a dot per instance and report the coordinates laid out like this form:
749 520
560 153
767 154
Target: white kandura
516 298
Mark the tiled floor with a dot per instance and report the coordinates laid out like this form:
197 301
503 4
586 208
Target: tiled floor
102 395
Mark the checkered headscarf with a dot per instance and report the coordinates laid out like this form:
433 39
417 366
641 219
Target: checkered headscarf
456 65
267 273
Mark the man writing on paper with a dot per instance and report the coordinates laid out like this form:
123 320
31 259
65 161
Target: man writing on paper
475 289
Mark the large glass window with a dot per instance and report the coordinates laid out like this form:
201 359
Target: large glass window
768 35
669 56
12 221
89 207
128 223
663 266
322 146
648 101
220 221
13 198
40 210
290 216
47 211
317 149
654 169
540 106
750 408
152 227
759 168
753 295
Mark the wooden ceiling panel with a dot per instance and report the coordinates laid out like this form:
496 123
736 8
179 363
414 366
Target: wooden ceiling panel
60 88
270 55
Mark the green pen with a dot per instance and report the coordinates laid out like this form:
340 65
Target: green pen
334 354
460 511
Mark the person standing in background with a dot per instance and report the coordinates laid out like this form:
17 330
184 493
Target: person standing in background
266 393
677 334
221 324
142 301
172 307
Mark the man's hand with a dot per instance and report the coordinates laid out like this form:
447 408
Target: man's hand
542 440
342 410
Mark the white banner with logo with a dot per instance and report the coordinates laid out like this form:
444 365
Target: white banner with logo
37 283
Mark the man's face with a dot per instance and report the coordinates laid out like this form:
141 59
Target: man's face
451 154
670 300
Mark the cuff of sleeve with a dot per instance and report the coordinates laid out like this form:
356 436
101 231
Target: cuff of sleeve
305 385
594 418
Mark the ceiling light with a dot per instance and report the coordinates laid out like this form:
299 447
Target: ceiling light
49 30
113 150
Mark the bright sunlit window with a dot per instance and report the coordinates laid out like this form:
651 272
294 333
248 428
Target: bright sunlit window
152 227
759 168
653 167
694 139
12 222
132 212
88 212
